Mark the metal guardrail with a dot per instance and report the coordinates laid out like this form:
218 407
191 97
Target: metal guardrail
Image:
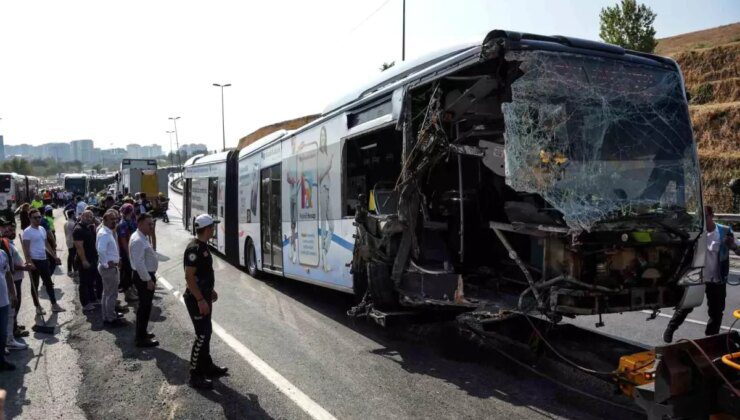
727 217
176 185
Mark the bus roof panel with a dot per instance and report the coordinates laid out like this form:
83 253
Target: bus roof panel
262 142
210 159
400 72
192 159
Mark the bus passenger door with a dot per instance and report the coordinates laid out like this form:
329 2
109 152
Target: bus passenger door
213 207
270 218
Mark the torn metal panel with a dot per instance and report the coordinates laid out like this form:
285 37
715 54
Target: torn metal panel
600 139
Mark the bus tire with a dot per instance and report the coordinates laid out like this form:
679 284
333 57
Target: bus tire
250 259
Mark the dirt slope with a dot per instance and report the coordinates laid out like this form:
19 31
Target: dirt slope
710 62
706 38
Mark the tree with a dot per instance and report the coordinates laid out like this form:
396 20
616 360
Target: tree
17 165
386 66
98 168
629 25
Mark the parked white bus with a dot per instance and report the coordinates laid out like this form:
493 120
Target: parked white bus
77 184
525 173
16 189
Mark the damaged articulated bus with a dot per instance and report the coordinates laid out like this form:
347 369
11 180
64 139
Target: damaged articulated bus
524 174
537 174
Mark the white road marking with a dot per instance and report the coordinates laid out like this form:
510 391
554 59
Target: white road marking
693 321
165 283
302 400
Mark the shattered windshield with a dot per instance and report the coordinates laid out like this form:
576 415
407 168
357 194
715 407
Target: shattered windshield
601 139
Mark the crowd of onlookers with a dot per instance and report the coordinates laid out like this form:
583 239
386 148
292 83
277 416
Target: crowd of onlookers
111 244
101 233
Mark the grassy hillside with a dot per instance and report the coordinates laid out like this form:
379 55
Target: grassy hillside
706 38
710 62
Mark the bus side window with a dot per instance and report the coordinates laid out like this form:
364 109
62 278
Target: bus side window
370 159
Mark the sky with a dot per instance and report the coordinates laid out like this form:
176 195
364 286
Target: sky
115 71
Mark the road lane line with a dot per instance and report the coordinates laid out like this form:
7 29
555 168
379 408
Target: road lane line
165 283
302 400
693 321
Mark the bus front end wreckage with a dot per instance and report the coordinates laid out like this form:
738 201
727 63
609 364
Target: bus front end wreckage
551 175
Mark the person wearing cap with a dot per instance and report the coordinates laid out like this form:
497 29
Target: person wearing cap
35 248
69 227
144 265
126 227
199 298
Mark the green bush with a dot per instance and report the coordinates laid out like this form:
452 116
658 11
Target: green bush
703 94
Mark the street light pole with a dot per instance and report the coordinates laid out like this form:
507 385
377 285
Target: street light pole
403 32
172 158
223 124
177 140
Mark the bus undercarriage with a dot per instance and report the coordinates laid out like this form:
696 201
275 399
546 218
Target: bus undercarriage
534 181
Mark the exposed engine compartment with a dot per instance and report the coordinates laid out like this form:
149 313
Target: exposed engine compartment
535 180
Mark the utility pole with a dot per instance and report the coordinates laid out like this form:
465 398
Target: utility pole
403 32
177 141
172 152
223 124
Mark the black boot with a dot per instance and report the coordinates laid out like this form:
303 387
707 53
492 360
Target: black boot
199 381
217 371
668 334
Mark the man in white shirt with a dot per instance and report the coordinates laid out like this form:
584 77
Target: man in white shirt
106 244
35 248
144 264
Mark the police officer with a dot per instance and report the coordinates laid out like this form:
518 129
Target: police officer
199 298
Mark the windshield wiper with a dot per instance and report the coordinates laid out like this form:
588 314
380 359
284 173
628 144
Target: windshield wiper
653 218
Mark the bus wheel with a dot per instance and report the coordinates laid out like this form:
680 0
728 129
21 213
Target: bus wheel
251 259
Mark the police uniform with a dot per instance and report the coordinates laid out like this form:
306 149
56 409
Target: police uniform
199 256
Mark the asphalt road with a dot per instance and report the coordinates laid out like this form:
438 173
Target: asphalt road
293 353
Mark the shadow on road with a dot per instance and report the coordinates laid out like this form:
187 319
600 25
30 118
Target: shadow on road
13 383
27 361
235 405
437 349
